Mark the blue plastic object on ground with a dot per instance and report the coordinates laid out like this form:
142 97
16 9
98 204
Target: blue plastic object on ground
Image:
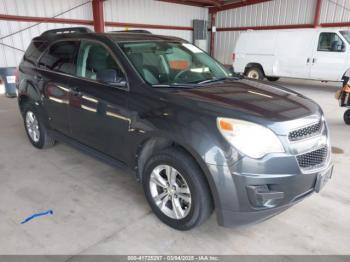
49 212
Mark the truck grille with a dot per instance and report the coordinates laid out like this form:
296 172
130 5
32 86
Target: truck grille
314 159
305 132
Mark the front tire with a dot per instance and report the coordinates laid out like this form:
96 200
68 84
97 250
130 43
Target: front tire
176 190
347 117
255 73
35 128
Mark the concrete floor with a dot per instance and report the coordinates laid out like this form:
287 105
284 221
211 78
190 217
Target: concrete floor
101 210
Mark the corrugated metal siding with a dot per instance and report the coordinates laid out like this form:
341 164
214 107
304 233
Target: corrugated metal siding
335 11
10 57
184 34
152 12
277 12
46 8
132 11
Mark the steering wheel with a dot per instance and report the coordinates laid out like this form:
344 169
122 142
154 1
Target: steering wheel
182 74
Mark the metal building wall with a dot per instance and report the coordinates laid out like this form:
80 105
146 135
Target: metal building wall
276 12
15 34
126 11
334 11
154 12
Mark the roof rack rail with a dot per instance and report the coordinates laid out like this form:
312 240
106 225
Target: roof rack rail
140 31
66 30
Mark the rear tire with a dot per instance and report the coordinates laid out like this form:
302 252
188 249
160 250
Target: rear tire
35 128
255 73
272 79
347 117
176 189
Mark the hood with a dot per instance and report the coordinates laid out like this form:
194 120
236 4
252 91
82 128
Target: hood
250 100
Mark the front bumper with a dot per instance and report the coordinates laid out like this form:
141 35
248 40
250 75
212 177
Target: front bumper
250 198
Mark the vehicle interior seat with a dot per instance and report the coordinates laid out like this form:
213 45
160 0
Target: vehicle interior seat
138 61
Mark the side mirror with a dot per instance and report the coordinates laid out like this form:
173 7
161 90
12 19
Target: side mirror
110 76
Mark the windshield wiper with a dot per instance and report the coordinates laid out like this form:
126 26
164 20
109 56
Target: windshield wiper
178 85
218 79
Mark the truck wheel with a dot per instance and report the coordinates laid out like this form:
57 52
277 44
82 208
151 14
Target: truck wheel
35 128
272 79
347 117
255 73
176 190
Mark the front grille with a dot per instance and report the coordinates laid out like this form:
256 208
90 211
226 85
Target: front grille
305 132
314 159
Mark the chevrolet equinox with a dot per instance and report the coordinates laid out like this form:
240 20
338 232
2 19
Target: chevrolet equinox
195 136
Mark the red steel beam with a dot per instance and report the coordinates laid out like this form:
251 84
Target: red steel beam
45 19
97 12
212 34
236 5
317 13
149 26
199 3
339 24
267 27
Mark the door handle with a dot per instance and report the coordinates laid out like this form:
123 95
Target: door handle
314 60
308 60
75 91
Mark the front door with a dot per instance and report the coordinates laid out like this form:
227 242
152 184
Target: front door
329 57
98 111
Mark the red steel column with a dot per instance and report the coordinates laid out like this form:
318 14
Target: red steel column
97 11
317 13
212 34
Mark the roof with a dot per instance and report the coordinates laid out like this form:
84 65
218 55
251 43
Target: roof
125 36
119 36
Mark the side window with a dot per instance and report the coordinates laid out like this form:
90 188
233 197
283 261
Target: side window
33 52
94 58
330 42
60 57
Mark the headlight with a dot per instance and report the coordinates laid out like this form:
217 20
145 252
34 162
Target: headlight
251 139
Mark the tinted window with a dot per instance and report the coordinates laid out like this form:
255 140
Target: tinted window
330 42
60 57
33 52
93 58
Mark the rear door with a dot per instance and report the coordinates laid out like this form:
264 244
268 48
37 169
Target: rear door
329 57
55 68
98 111
294 53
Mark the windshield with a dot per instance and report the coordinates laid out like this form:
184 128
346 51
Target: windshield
346 35
172 63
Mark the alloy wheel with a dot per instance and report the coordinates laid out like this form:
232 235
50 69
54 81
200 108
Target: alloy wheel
170 192
32 125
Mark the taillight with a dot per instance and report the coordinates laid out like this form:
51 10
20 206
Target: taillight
233 57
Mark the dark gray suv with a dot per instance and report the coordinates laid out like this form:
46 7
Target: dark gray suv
195 136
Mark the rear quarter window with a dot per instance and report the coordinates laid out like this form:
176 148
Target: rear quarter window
33 52
60 57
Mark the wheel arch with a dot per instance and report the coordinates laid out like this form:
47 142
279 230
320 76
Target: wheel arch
27 92
156 144
253 64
